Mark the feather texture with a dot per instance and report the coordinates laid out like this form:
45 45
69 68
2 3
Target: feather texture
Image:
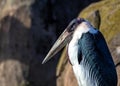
95 67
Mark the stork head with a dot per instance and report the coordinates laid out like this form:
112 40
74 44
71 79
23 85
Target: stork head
64 38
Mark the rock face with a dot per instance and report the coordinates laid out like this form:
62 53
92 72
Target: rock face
16 48
109 26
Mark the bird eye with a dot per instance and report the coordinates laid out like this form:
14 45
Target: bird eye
72 25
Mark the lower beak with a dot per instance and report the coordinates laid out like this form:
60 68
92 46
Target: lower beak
64 38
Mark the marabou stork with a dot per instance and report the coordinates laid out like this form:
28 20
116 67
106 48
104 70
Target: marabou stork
88 54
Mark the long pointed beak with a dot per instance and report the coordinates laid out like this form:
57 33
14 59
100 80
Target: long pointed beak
64 38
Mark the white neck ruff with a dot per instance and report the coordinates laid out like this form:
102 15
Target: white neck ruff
84 27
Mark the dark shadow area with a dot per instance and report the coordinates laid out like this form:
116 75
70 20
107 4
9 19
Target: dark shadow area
49 19
16 48
15 41
16 44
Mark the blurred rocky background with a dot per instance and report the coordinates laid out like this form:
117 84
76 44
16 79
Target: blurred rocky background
28 29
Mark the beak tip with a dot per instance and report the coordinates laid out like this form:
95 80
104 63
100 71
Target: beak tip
44 61
59 44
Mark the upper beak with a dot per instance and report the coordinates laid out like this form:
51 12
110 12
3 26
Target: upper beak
64 38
